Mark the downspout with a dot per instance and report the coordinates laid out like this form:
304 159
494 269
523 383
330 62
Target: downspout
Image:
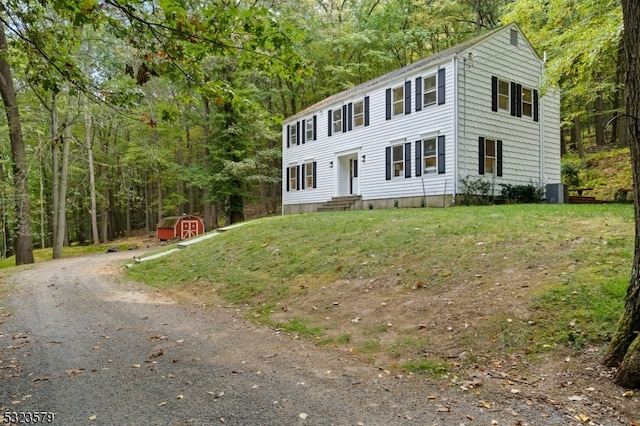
541 121
456 135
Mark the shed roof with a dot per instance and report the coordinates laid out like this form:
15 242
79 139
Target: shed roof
171 221
435 58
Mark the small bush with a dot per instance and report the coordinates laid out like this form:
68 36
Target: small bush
475 192
522 193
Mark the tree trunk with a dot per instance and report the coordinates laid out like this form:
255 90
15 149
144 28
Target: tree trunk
599 119
624 349
60 210
24 240
576 137
93 211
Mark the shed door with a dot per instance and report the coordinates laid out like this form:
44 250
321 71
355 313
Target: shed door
188 228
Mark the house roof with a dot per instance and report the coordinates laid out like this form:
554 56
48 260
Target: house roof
435 58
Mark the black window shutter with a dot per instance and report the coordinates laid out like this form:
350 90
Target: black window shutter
499 158
303 176
355 168
298 177
288 135
315 127
407 97
535 106
344 119
314 174
519 100
418 93
441 165
481 155
494 93
297 133
407 160
387 162
441 86
514 99
350 116
330 121
388 104
287 179
418 158
303 135
366 110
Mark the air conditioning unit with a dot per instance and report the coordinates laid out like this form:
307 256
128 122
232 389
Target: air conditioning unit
557 193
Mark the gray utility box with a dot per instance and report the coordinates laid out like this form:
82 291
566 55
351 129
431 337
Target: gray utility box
557 193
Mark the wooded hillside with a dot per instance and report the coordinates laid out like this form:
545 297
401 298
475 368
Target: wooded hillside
131 111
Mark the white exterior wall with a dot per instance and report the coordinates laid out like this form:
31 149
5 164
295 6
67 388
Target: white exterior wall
371 142
465 116
520 136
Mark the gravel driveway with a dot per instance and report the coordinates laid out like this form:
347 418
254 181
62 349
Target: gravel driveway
79 341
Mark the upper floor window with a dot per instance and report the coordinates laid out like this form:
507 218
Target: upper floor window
527 102
430 90
398 100
293 134
503 95
309 131
358 113
337 120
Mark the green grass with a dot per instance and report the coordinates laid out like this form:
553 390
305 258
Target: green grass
585 252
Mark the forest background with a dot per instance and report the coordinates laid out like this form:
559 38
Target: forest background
133 111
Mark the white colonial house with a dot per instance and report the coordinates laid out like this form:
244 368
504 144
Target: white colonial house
411 137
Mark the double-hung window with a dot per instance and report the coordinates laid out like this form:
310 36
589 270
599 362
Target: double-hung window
309 130
429 156
503 95
429 90
292 173
398 100
337 120
527 102
309 172
397 160
358 114
293 134
490 156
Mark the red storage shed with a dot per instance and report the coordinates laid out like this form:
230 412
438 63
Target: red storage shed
181 227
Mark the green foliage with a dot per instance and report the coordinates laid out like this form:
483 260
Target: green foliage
570 170
522 193
426 366
474 192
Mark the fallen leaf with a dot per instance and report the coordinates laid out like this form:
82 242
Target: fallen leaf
575 398
628 394
302 415
582 417
157 354
136 365
162 404
92 417
180 397
443 409
485 404
73 371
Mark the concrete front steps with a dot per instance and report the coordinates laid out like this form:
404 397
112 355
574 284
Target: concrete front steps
340 203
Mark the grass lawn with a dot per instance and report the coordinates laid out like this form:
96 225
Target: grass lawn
409 288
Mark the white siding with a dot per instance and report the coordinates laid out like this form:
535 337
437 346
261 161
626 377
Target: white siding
520 136
465 116
371 142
